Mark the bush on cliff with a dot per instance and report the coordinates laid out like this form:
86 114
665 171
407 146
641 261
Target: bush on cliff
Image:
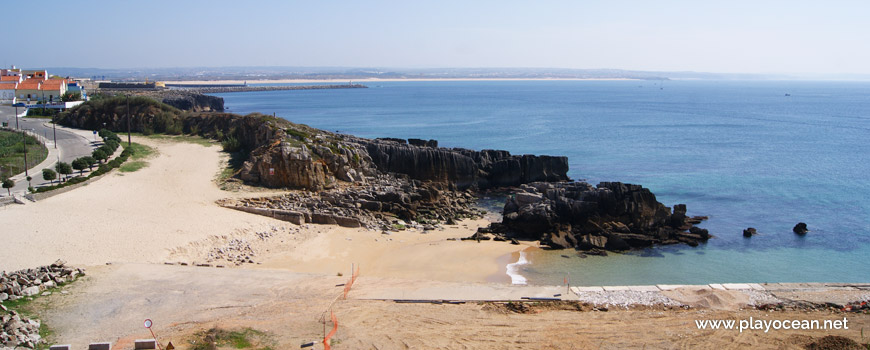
111 113
231 144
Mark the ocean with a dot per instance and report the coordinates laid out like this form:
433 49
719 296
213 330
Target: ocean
763 154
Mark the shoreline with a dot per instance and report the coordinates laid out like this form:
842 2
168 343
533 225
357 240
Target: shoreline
377 80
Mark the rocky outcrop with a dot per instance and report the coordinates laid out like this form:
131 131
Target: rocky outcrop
194 102
16 330
800 228
463 168
612 216
375 205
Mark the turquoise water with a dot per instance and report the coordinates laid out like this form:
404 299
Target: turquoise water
743 153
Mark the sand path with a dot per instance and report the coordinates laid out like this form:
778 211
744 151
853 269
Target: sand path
126 217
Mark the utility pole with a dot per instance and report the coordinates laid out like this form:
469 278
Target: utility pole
54 130
24 139
16 118
128 121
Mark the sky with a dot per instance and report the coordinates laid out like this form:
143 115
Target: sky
812 37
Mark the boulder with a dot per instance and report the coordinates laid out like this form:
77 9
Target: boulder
800 228
749 232
30 291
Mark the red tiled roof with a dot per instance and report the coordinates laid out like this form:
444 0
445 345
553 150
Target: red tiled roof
28 85
7 86
9 78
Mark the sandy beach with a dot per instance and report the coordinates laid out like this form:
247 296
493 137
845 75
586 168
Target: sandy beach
167 212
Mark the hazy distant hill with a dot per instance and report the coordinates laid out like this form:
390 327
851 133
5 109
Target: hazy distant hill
258 73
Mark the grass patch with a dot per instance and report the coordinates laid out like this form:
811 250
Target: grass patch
130 167
199 140
40 116
12 153
139 152
216 338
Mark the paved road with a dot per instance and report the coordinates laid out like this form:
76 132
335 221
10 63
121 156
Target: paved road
70 144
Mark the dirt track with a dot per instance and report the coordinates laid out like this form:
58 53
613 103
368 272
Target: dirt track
112 302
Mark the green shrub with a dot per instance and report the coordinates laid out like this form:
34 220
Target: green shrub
63 168
231 144
90 160
113 145
99 154
107 150
48 174
301 135
80 164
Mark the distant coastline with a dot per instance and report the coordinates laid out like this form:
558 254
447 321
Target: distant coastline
375 80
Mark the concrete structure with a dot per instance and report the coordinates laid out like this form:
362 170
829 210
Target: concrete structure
29 90
76 87
16 72
35 74
100 346
7 93
53 89
36 86
144 344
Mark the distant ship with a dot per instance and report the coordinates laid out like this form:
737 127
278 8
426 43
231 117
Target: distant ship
787 95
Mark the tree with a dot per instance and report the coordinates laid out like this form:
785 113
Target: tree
90 161
100 155
71 96
107 150
48 174
8 184
28 180
80 164
63 168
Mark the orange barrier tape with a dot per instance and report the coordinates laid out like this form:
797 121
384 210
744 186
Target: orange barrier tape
331 333
349 284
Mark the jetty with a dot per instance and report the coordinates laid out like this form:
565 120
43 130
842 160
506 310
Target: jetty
223 88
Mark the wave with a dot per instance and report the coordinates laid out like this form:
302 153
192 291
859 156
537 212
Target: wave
514 268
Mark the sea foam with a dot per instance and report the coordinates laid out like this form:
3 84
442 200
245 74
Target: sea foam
513 270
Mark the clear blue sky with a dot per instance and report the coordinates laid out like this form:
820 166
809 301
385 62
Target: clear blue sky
712 36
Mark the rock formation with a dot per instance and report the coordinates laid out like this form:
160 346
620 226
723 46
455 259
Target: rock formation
14 329
194 102
374 205
612 216
462 167
800 228
372 182
749 232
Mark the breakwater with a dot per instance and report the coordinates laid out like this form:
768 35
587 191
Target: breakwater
217 89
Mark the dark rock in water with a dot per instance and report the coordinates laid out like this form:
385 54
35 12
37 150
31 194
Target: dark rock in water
423 143
749 232
701 232
611 216
800 228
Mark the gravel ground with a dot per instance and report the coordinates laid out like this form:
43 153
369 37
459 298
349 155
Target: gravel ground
757 297
626 298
